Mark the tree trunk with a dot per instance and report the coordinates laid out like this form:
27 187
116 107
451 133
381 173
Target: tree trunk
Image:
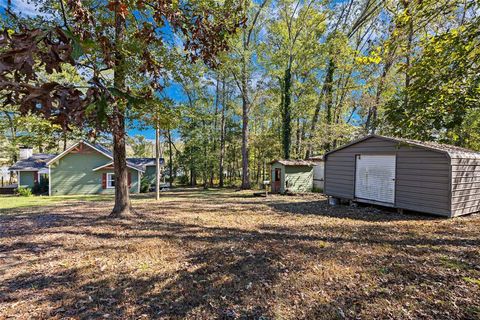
298 140
170 162
64 140
122 196
215 129
13 133
408 54
328 106
222 136
287 113
245 115
157 163
371 123
316 116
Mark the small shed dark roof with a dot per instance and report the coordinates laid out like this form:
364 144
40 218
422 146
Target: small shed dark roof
34 163
294 163
451 151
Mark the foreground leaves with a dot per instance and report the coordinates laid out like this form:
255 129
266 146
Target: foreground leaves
225 254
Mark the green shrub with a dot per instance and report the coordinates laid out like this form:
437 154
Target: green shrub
317 190
144 184
184 180
41 187
44 185
36 188
24 192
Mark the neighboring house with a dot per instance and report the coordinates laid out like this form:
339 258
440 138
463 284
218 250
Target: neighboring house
406 174
84 168
292 176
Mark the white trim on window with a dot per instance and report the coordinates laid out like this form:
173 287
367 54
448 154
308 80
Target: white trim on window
110 179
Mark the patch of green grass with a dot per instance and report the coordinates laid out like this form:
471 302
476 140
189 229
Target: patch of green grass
13 202
454 264
384 270
472 280
474 312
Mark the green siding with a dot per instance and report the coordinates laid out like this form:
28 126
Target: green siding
150 174
73 174
297 178
27 179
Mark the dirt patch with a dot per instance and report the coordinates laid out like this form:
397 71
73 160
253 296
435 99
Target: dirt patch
229 255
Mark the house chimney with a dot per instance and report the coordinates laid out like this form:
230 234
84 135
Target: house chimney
25 152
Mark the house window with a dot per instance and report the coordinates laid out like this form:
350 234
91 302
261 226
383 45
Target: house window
110 180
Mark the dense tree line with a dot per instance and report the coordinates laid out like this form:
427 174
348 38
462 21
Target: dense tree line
259 79
304 77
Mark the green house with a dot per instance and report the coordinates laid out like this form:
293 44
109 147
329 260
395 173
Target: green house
294 176
84 168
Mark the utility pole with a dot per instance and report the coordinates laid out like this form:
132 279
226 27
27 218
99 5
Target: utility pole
157 163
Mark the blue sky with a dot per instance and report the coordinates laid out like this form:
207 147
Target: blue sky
174 91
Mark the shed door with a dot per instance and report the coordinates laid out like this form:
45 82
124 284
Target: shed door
277 180
375 178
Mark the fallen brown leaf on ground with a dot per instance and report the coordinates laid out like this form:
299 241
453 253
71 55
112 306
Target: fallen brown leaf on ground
228 255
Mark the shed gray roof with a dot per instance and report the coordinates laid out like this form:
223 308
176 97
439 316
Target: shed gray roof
451 151
294 162
34 163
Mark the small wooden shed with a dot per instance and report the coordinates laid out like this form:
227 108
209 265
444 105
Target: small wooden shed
292 176
407 174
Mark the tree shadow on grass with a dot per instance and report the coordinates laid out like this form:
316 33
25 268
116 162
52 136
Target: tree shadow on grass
217 281
358 212
232 274
225 272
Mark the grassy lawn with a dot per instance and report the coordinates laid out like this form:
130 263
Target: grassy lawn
14 202
227 255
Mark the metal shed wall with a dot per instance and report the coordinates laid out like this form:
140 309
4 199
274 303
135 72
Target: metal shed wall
465 186
422 176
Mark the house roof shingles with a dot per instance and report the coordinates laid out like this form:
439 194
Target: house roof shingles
144 162
39 161
34 163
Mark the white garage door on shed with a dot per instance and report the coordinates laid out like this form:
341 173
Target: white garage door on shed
375 178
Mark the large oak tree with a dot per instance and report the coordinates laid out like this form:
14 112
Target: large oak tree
119 46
